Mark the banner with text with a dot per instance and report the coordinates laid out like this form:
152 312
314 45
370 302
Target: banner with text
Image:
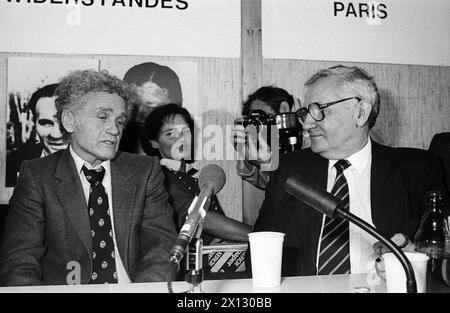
385 31
200 28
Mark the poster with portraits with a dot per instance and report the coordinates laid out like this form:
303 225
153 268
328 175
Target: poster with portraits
32 130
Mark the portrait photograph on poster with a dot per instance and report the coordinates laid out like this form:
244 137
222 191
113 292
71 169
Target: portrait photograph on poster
31 126
32 130
156 83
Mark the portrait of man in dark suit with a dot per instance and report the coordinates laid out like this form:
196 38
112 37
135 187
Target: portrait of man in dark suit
45 138
88 213
382 185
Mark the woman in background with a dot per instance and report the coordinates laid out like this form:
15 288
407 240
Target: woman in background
168 134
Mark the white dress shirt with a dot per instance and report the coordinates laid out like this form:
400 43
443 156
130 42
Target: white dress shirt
122 276
362 255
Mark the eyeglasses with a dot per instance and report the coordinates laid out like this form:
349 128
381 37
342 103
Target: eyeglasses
316 109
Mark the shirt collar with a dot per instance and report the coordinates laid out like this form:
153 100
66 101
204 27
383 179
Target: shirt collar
79 162
175 164
359 160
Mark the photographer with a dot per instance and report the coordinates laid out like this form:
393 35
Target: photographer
263 104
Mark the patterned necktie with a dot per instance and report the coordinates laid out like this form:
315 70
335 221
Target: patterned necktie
334 257
103 255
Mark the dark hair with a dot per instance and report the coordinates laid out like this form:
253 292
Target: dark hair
161 75
156 120
47 91
272 96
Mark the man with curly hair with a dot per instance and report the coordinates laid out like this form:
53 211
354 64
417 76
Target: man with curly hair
89 213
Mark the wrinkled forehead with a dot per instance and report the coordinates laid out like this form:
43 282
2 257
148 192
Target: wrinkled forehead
325 89
101 101
45 107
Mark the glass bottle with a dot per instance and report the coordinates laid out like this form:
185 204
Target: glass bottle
430 238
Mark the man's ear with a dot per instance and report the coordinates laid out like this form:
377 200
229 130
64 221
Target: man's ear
297 104
362 112
284 107
68 121
154 144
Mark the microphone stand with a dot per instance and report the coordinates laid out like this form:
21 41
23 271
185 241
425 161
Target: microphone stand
194 265
194 261
211 180
194 256
329 205
411 286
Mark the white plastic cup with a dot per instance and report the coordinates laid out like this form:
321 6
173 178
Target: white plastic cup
395 274
266 250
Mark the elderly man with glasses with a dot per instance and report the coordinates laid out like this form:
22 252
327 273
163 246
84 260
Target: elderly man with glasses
382 185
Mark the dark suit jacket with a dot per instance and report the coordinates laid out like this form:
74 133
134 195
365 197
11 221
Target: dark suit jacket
399 179
27 151
440 144
48 224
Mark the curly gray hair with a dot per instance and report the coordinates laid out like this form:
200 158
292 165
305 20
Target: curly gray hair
81 82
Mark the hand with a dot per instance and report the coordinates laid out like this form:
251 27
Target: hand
401 240
238 135
215 241
244 143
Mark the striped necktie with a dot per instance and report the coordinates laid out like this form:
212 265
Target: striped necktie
334 257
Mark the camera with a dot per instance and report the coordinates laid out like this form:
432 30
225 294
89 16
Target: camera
289 128
258 118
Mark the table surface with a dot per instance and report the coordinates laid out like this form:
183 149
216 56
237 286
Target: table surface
354 283
310 284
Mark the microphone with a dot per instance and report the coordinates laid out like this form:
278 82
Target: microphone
312 195
324 202
211 180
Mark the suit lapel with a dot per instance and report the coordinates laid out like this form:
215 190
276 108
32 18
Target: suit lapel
382 190
123 196
315 170
320 178
70 193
